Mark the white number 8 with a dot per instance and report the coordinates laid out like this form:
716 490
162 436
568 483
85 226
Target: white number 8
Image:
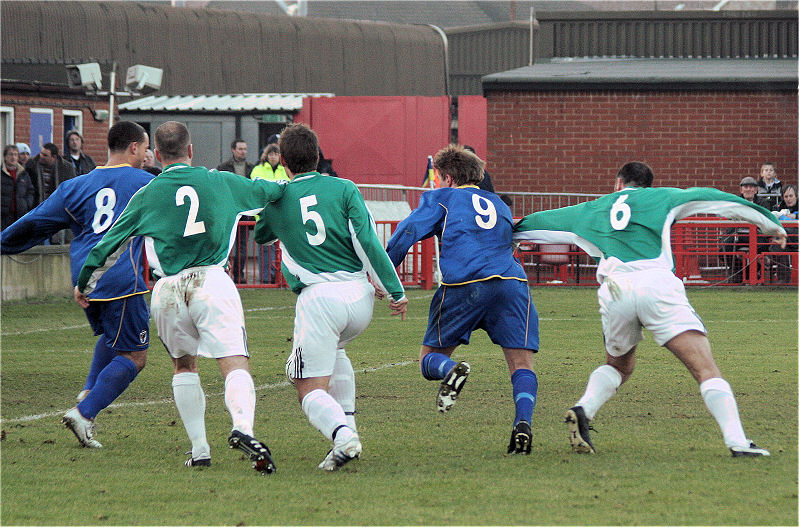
620 208
484 208
104 200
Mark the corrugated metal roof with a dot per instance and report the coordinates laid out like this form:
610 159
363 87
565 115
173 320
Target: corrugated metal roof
251 102
649 74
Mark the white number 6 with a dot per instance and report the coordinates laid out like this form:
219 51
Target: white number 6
193 227
313 216
620 208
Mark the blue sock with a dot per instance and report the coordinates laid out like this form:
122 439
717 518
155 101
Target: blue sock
435 366
111 382
102 357
525 387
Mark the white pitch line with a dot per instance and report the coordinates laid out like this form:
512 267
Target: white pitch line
34 417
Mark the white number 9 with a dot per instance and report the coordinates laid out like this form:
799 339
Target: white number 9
484 208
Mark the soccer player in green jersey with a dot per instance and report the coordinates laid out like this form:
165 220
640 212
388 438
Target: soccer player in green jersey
188 216
328 247
628 232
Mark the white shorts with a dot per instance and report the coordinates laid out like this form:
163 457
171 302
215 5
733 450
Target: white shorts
199 311
653 299
327 316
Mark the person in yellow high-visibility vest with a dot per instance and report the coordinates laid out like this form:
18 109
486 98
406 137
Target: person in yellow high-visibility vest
269 169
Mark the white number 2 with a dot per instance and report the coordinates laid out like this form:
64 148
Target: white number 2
104 200
313 216
193 227
620 213
484 208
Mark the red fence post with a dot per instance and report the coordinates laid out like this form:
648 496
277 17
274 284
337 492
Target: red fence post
426 263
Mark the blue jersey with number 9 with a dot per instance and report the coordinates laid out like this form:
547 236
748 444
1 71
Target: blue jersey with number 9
475 229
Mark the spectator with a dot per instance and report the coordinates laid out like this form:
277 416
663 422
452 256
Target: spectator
81 162
269 169
47 171
768 183
486 182
786 210
738 239
24 153
150 163
17 189
238 164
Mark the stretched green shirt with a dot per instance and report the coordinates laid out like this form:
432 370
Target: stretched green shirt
630 229
188 216
327 234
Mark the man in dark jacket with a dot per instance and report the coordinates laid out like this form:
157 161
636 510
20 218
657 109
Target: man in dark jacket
81 162
47 170
17 189
238 164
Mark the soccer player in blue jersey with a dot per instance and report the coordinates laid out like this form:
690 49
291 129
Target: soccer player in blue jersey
483 285
89 204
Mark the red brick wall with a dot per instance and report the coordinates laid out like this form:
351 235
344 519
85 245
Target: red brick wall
572 141
94 133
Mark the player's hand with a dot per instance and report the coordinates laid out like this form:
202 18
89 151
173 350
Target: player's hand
780 239
378 291
81 299
399 307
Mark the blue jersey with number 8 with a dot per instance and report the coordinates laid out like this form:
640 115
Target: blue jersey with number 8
88 205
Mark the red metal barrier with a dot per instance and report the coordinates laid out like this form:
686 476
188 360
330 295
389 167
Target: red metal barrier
707 251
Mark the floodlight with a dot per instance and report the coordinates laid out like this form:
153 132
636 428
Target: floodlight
84 76
143 79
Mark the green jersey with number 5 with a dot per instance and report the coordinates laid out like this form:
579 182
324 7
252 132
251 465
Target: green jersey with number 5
327 234
629 230
188 216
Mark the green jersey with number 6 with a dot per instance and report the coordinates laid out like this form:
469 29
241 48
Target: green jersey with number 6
629 230
188 216
327 234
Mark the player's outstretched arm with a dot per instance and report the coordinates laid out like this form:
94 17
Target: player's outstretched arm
399 307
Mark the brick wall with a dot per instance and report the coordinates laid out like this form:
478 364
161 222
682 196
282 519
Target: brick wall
94 133
573 141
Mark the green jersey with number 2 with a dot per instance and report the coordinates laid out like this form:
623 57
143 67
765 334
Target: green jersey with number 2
188 216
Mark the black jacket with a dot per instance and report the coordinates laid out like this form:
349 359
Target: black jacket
63 172
84 164
22 188
228 166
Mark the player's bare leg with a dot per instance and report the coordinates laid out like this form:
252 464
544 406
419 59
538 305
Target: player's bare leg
694 351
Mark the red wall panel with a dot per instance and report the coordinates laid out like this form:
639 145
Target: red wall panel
379 139
472 123
571 141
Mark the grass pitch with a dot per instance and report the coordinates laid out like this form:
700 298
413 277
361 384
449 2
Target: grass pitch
660 460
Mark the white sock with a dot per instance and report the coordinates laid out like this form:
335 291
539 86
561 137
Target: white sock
717 394
602 385
191 403
342 387
240 400
326 414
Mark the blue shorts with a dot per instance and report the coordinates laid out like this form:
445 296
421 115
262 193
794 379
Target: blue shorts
501 307
125 323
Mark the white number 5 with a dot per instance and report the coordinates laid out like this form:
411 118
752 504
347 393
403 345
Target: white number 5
620 213
312 216
193 227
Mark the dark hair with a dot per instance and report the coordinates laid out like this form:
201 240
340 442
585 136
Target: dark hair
9 147
237 140
636 173
123 133
172 141
462 165
299 148
52 148
73 132
272 147
507 200
783 191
